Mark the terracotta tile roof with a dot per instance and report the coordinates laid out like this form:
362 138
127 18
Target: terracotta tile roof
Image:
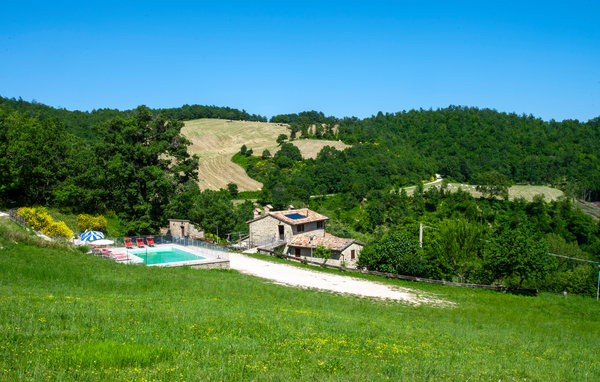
308 216
328 241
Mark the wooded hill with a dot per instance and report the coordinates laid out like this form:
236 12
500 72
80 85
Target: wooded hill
80 123
464 142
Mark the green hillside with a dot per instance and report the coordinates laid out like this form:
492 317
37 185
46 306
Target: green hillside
65 315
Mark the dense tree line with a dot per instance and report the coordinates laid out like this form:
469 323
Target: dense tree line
81 123
187 112
310 124
135 167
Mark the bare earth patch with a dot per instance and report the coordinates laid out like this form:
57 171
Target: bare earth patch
311 147
215 141
293 276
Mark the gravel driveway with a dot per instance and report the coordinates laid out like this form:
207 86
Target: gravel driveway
293 276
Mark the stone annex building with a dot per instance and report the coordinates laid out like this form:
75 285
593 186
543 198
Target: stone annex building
301 231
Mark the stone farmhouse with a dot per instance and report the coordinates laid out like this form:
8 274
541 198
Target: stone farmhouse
301 231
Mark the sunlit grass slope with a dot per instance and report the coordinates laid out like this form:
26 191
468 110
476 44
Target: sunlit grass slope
65 315
528 192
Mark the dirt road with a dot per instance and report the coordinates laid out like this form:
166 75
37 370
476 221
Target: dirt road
293 276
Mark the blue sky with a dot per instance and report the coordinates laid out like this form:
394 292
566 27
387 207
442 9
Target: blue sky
341 57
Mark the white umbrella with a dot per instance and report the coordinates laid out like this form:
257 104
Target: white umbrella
102 242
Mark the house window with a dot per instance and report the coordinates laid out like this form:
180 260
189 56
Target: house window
300 228
297 252
352 254
320 225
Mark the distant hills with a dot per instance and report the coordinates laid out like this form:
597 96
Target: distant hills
458 142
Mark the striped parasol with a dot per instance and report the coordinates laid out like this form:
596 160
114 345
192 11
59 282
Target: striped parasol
91 235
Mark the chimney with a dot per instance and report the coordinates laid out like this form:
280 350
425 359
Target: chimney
256 212
268 209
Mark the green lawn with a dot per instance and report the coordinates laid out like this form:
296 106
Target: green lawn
65 315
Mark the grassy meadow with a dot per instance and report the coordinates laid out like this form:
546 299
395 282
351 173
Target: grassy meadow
65 315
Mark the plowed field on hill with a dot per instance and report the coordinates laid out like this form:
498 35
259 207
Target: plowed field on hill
215 141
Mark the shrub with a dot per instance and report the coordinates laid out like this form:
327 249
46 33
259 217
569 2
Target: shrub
395 253
36 218
581 279
322 252
57 229
91 223
458 246
41 221
519 253
233 189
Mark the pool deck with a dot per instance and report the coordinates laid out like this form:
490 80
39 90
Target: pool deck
212 259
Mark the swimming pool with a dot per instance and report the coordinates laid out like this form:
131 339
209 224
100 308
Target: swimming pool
164 255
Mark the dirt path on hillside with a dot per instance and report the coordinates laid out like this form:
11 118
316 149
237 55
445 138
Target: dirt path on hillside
293 276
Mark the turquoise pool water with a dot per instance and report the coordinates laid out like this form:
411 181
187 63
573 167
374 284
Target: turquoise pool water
164 255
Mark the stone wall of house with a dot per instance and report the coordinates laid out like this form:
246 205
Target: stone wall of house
346 255
306 252
188 229
337 258
310 229
266 230
175 227
195 233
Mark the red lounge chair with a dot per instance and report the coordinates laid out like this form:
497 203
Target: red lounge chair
150 241
140 243
128 244
108 253
119 257
104 252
